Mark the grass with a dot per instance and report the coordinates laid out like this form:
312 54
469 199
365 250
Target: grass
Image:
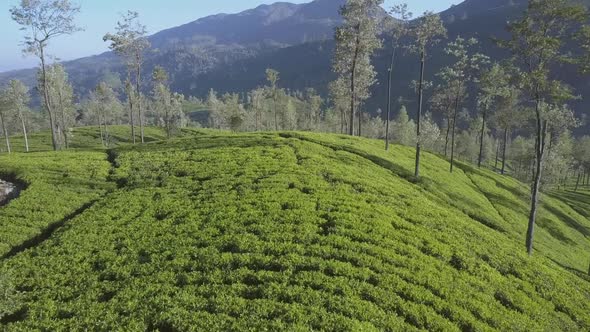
298 231
86 138
56 185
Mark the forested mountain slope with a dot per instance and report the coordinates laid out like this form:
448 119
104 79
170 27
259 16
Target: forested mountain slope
294 231
211 42
229 53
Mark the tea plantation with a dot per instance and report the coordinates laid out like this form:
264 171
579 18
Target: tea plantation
216 231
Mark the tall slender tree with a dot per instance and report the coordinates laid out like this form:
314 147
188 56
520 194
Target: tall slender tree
45 20
16 97
540 40
4 106
356 40
340 100
507 117
161 95
398 30
168 105
130 42
458 75
272 76
256 98
442 101
106 108
494 84
314 105
61 95
427 32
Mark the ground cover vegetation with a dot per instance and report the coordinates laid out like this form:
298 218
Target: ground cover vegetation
295 230
521 124
272 218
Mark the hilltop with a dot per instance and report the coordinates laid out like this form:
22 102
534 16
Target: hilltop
282 231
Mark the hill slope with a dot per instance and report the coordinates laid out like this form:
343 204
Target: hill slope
294 231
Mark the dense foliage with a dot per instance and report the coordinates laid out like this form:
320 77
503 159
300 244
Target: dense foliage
299 231
213 230
55 186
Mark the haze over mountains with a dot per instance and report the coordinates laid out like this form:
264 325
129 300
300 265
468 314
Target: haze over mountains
229 52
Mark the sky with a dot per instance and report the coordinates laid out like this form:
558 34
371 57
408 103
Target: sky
98 17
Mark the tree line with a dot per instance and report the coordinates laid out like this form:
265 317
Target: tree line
522 124
520 92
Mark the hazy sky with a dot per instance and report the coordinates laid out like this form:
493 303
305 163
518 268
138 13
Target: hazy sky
100 16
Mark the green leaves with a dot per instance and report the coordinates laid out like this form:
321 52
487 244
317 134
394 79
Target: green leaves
57 185
295 231
427 32
356 41
45 19
542 39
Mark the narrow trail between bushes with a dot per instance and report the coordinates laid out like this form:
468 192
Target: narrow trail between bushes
47 232
8 192
54 227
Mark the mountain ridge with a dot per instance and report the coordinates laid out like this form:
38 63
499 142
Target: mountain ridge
210 42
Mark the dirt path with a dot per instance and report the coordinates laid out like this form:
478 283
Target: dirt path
8 192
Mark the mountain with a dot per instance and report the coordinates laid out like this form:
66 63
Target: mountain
213 42
229 52
277 24
308 65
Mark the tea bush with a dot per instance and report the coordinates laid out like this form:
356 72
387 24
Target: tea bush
300 231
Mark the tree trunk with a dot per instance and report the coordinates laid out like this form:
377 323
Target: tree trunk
578 181
504 151
168 127
497 159
5 131
453 133
130 102
483 133
311 122
274 107
47 99
539 152
447 136
106 133
62 115
353 83
342 121
360 116
387 121
419 117
256 116
139 108
22 122
101 132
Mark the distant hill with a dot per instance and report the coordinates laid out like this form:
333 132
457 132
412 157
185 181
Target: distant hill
213 42
229 52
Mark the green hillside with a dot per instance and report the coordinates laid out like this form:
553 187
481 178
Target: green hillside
282 231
